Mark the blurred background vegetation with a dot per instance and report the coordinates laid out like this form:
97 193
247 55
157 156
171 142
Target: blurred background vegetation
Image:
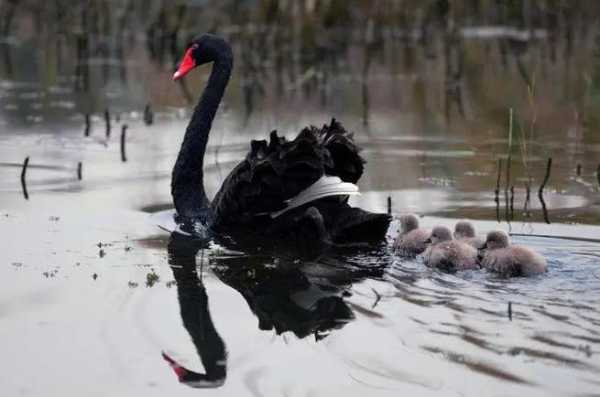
438 69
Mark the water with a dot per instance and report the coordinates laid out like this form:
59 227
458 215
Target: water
93 292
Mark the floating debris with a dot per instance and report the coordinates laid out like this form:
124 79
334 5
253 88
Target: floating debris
586 349
151 279
132 284
17 264
50 274
128 248
94 276
171 283
578 170
510 311
377 298
54 218
79 170
101 253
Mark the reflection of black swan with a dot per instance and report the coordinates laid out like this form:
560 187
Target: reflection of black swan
193 304
280 184
282 298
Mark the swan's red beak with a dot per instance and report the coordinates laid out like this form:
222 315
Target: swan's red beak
187 64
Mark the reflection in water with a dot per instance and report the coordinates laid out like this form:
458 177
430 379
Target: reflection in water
193 304
305 298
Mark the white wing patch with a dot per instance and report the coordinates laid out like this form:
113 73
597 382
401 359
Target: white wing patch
324 187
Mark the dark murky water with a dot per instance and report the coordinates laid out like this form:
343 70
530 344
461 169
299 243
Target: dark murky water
88 300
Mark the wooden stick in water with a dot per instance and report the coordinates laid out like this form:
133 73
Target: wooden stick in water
389 205
509 150
123 138
512 201
23 175
499 177
541 191
546 177
148 114
578 169
107 121
497 191
88 125
510 311
79 170
598 174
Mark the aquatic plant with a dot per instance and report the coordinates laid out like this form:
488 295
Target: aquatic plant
151 279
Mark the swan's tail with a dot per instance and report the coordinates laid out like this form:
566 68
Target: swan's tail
324 187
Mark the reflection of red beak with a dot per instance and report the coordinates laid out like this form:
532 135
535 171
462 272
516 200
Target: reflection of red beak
178 369
187 64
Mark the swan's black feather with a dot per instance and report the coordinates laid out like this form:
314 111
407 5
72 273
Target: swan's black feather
276 171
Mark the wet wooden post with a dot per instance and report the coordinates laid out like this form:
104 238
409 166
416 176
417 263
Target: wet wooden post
578 169
23 176
148 115
598 175
510 311
107 121
541 190
88 125
79 171
123 138
389 205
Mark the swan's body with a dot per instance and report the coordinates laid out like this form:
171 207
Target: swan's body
412 240
283 188
447 254
508 260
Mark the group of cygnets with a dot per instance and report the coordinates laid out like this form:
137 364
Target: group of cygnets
462 250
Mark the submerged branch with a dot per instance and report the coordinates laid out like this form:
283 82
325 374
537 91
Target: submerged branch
23 175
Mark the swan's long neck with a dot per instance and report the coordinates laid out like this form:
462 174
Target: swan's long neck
187 181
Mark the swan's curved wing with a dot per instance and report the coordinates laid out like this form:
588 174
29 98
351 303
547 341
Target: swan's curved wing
325 186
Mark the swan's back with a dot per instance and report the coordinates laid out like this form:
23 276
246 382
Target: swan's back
514 260
451 256
278 170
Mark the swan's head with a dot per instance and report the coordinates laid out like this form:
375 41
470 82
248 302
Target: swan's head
439 234
408 222
464 229
203 49
496 239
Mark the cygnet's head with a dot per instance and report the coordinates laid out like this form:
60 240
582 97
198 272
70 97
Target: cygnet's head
464 229
497 239
408 222
439 234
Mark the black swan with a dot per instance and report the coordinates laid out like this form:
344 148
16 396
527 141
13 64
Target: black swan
286 189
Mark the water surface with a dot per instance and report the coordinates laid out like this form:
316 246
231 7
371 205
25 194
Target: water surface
92 292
